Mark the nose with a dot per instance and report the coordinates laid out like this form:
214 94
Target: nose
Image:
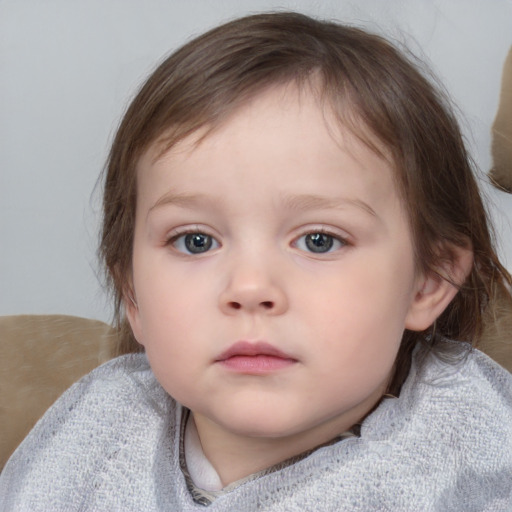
252 288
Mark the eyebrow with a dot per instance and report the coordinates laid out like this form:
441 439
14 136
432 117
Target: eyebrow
315 202
291 202
180 199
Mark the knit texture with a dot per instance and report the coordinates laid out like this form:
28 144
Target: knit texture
111 443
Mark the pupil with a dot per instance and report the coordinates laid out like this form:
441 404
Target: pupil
197 242
319 242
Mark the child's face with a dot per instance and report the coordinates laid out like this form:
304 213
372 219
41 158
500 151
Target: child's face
273 272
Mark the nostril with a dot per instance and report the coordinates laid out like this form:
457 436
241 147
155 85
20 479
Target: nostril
266 305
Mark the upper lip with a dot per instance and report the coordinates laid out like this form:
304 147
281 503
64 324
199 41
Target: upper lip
248 348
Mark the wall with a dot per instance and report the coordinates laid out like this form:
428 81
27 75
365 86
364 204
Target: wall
68 69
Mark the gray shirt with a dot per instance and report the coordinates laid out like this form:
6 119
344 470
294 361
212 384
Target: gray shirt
111 443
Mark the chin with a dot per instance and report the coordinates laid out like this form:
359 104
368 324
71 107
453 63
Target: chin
261 426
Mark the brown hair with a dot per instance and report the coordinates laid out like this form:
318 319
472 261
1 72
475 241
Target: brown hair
367 83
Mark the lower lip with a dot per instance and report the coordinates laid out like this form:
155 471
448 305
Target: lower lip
258 364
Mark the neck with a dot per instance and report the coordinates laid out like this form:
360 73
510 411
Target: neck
237 456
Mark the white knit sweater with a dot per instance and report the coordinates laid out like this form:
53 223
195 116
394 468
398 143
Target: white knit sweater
111 443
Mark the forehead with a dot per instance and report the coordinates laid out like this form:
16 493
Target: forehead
282 128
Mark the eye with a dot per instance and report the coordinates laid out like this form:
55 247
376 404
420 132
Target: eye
319 242
194 243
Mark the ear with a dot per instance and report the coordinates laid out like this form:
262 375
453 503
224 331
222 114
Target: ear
132 313
435 291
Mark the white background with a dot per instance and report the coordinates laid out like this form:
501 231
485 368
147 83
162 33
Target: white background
69 67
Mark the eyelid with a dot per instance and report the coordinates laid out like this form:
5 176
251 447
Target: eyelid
189 229
337 233
175 234
343 238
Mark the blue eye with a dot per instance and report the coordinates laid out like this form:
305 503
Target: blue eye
319 243
194 243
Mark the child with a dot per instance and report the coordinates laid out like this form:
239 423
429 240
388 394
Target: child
293 232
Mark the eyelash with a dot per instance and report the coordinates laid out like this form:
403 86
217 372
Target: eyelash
181 236
334 242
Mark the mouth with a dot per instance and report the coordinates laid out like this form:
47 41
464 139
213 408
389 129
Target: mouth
254 358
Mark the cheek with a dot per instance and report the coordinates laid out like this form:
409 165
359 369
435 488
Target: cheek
168 327
165 294
165 324
171 352
359 318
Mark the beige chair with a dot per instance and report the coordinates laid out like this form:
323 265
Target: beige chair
496 340
40 357
501 148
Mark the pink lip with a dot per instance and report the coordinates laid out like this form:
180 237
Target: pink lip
247 348
254 358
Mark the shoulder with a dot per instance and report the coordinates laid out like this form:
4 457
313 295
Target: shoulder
111 420
453 422
121 386
444 444
468 380
468 396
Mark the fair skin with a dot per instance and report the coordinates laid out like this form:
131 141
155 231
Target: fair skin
281 232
